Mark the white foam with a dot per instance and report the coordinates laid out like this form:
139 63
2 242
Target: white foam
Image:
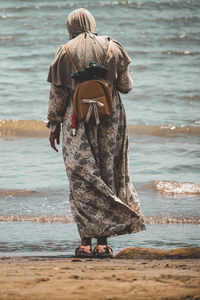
175 187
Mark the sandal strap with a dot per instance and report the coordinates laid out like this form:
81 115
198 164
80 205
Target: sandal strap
83 249
110 249
103 249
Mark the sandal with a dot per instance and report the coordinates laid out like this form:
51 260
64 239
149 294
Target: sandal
83 251
102 251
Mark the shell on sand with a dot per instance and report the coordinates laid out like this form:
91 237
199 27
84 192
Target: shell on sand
151 253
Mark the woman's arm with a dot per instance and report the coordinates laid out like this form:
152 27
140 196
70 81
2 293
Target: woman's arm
124 81
57 104
58 97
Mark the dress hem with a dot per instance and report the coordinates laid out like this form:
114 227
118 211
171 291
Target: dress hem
130 229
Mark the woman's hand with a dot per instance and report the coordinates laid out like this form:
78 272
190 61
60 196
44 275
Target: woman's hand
54 136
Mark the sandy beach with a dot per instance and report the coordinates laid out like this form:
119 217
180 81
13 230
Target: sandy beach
69 278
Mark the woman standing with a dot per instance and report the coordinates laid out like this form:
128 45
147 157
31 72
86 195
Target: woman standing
103 200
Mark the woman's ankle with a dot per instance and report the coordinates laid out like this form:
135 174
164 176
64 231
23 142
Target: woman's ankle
86 242
102 240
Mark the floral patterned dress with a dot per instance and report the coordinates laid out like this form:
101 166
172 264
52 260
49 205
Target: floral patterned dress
103 200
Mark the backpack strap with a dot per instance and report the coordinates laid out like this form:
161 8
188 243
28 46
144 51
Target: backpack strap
72 62
108 52
70 58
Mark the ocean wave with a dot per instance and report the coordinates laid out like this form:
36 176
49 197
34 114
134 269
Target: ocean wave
69 219
154 5
171 220
17 192
5 17
176 19
174 187
23 128
29 56
180 52
8 38
22 69
163 130
140 67
192 97
37 219
30 7
37 129
149 4
188 39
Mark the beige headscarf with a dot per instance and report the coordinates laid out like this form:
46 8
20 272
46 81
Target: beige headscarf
79 21
84 47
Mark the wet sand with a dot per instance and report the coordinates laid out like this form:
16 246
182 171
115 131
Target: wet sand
68 278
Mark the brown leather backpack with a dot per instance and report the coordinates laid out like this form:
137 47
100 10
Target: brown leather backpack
92 99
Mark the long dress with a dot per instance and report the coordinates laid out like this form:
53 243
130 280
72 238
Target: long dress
103 199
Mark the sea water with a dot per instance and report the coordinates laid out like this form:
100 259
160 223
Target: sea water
163 39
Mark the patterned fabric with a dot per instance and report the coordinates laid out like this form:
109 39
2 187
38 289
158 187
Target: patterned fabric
58 97
103 200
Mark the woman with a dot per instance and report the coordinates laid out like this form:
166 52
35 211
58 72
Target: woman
103 200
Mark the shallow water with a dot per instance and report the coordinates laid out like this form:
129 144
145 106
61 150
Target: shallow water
62 239
162 38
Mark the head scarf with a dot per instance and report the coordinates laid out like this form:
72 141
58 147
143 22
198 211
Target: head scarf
79 21
85 46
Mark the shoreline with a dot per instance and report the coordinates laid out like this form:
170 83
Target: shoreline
51 278
37 129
